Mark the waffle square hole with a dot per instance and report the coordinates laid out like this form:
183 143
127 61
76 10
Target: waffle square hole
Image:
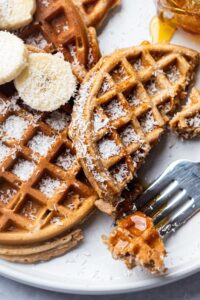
172 73
41 143
36 39
119 73
114 110
194 121
165 108
56 220
48 185
4 152
148 122
14 127
7 192
128 136
30 208
136 62
65 159
58 120
58 21
89 6
133 96
138 157
108 148
105 87
151 87
120 172
23 168
72 200
100 121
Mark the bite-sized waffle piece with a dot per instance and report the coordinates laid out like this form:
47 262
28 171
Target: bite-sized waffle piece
95 11
58 26
187 122
122 109
136 241
43 191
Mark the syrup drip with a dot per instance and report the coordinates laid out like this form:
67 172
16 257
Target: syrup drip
161 31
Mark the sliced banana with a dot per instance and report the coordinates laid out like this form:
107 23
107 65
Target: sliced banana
15 14
47 82
13 56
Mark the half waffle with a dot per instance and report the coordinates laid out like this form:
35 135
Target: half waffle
95 11
136 241
58 26
187 122
43 191
122 108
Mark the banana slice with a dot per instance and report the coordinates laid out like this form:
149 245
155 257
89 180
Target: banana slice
47 82
13 56
16 13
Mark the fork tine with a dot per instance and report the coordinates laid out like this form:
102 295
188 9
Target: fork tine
178 218
180 198
162 199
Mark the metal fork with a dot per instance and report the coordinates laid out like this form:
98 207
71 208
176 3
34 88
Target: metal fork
174 197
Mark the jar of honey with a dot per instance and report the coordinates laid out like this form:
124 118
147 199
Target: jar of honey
183 14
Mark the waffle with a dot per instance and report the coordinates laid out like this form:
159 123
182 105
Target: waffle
186 123
95 11
122 109
58 26
136 241
43 190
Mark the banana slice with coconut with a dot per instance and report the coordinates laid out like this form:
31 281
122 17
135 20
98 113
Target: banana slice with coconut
15 14
13 56
47 83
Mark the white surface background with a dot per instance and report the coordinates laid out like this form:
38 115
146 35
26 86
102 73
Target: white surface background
121 31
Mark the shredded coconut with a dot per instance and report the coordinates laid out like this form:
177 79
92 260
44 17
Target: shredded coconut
66 160
115 110
56 221
6 196
58 120
138 156
108 148
106 86
195 121
29 211
173 74
4 152
120 172
45 3
148 122
37 40
41 143
151 87
129 136
138 65
48 185
14 127
133 99
24 169
10 105
99 122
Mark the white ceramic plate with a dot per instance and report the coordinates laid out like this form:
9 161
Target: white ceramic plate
89 269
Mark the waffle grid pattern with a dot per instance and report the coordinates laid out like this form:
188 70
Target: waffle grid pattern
28 180
132 95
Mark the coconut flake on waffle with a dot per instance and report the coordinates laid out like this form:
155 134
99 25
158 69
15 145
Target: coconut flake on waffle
138 65
138 156
194 121
23 169
58 120
4 152
41 143
10 105
14 127
173 74
45 2
29 211
148 122
115 110
151 88
56 221
48 185
129 136
134 100
66 160
37 40
108 148
100 122
120 172
6 196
